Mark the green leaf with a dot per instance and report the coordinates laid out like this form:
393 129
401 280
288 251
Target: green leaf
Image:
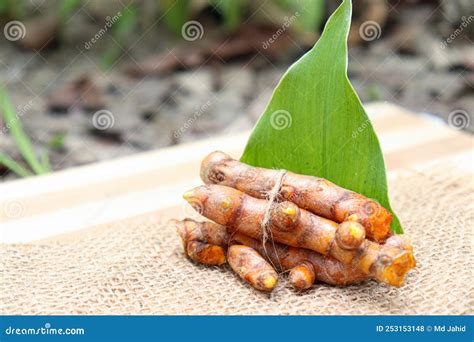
14 166
12 120
315 123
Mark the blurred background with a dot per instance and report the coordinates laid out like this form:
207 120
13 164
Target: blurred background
84 81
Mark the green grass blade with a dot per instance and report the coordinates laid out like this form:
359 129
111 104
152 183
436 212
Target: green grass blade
14 166
45 161
315 123
16 130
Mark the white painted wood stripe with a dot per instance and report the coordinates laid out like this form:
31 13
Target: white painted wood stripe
90 214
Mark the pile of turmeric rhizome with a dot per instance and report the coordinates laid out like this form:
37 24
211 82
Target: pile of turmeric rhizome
269 221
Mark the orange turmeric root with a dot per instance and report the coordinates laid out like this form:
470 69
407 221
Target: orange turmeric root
297 227
203 242
302 277
252 267
301 263
317 195
305 266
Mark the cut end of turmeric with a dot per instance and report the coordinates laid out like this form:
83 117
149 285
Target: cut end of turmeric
379 228
379 235
394 274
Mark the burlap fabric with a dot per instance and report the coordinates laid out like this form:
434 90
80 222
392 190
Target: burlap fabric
137 267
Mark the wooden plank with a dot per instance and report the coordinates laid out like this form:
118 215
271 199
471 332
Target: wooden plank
152 182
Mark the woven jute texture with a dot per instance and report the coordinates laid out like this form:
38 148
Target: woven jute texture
137 267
